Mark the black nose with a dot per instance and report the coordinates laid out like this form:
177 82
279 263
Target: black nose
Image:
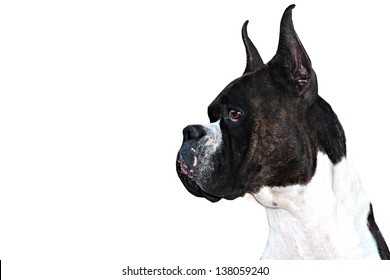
193 132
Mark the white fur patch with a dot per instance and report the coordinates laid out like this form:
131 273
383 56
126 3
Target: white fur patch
212 141
214 136
325 219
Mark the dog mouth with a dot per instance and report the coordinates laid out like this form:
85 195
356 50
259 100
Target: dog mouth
188 169
186 173
184 169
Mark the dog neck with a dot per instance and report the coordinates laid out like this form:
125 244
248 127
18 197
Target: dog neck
325 219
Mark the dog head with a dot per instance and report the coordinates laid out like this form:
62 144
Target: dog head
266 126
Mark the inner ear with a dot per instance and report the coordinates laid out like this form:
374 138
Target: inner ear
291 60
302 76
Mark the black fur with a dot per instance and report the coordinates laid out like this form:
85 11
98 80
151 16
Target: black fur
376 233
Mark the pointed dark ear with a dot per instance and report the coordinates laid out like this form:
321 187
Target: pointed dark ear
253 59
291 61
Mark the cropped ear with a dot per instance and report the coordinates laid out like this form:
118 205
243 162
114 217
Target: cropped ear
291 62
253 59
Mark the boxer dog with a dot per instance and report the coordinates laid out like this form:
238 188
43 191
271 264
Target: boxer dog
272 136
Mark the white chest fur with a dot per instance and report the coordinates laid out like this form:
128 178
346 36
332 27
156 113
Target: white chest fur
325 219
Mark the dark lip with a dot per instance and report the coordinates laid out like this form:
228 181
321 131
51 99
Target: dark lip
183 169
189 182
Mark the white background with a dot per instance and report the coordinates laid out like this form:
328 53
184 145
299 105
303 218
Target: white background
95 94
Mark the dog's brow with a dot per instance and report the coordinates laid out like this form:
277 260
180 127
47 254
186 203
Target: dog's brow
224 100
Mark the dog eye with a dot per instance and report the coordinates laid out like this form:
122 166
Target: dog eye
234 115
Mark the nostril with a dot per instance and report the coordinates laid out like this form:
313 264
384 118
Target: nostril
193 132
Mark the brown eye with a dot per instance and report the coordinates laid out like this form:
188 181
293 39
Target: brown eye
234 115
